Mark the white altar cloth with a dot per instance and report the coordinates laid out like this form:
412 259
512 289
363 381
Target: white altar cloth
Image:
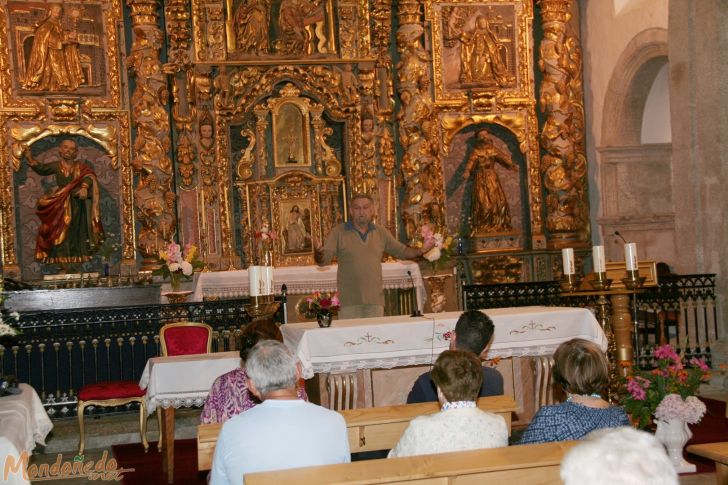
23 423
383 343
303 279
184 380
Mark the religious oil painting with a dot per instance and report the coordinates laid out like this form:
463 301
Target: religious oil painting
295 230
290 28
58 48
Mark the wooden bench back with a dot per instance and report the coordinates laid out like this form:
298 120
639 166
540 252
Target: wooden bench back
532 464
369 429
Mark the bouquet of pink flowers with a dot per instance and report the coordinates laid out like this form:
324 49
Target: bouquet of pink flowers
178 265
672 406
646 390
442 249
266 233
323 301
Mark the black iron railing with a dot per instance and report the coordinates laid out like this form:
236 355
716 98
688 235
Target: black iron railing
680 310
60 351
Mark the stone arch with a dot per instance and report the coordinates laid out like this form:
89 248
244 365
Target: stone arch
629 86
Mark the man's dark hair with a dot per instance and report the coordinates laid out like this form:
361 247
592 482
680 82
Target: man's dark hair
474 330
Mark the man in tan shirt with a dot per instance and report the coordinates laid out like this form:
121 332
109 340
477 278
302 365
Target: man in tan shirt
358 246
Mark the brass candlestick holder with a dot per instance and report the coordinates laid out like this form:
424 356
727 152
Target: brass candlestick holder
570 282
600 281
262 307
633 280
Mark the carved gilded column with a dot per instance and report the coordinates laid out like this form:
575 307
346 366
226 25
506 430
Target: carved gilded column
561 100
154 198
418 124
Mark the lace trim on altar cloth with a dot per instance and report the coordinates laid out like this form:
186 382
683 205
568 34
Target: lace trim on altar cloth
392 362
176 403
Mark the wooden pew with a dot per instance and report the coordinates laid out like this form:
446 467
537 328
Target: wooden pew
532 464
369 429
717 452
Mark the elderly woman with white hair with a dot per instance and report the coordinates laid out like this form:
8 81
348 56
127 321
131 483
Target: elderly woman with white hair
618 455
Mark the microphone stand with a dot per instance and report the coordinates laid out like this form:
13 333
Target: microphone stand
416 312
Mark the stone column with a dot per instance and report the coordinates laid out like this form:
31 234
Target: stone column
698 40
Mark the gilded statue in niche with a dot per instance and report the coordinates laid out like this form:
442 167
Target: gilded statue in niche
490 212
58 48
70 231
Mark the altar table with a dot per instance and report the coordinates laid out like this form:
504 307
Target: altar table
181 381
23 423
300 280
384 343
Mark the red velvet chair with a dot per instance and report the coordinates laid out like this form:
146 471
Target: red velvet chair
112 393
183 338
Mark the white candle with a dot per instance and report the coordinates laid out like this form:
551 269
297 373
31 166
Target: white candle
567 256
254 280
269 280
630 256
600 265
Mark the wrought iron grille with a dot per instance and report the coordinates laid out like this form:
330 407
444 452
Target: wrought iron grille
61 351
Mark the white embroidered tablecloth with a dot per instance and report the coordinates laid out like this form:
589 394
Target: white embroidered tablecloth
23 423
304 279
388 342
184 380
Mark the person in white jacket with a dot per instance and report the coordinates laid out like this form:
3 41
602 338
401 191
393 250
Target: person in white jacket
460 425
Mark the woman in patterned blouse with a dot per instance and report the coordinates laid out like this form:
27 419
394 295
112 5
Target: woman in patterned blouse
229 394
580 367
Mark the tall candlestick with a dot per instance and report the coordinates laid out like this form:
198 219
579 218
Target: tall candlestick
600 264
567 256
630 256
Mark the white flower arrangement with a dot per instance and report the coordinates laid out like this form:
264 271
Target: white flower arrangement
672 406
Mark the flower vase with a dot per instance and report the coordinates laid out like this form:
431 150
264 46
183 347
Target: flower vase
436 286
673 434
324 317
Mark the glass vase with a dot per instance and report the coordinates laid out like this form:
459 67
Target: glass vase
673 434
324 317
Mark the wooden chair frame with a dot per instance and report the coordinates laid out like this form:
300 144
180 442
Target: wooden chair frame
113 402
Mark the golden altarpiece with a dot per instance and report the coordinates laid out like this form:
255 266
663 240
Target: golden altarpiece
251 115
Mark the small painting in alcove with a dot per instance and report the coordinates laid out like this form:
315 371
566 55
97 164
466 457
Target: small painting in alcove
295 219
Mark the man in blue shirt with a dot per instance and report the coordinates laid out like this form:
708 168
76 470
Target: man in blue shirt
473 332
281 432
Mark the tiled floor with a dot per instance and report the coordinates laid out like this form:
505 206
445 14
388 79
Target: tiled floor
101 434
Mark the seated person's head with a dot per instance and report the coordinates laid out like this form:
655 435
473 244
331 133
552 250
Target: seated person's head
618 455
271 367
473 332
256 331
580 367
457 375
